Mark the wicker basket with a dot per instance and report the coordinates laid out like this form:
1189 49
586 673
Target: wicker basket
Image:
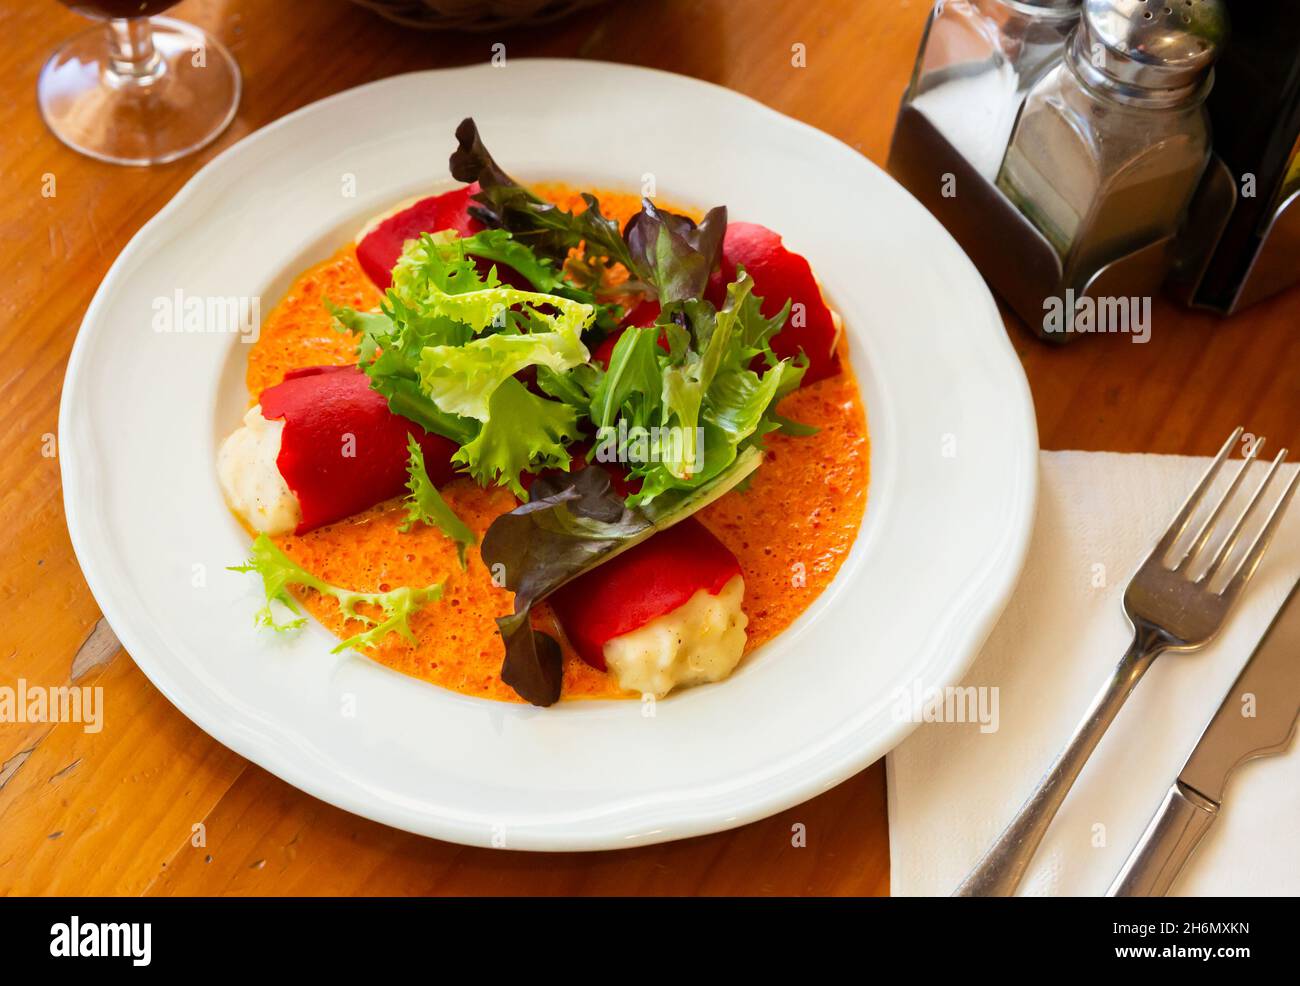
474 15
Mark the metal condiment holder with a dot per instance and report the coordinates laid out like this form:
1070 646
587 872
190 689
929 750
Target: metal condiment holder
1277 263
1015 258
1274 267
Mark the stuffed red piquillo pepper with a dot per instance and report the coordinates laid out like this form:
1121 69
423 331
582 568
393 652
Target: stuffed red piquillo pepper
663 614
380 243
319 447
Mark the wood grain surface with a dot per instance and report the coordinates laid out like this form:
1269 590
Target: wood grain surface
152 805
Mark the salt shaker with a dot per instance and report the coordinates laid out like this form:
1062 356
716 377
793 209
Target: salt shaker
1112 143
978 60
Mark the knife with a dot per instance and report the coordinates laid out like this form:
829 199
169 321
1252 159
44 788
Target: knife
1269 688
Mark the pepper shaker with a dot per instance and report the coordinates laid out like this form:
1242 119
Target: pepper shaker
977 62
1111 144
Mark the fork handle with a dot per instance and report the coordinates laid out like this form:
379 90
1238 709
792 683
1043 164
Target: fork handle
999 872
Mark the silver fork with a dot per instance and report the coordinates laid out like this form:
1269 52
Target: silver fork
1169 610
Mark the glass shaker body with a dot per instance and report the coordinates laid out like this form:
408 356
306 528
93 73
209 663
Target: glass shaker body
978 60
1101 174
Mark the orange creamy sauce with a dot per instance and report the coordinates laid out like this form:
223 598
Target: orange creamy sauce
791 530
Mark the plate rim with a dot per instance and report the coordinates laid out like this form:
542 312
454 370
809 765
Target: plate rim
997 586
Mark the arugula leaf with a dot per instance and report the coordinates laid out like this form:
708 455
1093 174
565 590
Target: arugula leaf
573 523
499 246
705 396
786 426
406 398
425 504
279 571
632 382
574 387
521 432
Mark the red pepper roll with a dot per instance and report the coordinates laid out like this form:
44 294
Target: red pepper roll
663 613
379 249
319 447
779 274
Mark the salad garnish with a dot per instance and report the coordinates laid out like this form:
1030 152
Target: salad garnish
279 571
425 505
487 340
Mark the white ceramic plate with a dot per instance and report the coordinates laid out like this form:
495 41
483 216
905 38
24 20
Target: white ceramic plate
948 517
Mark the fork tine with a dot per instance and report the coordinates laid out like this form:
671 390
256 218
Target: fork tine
1230 542
1189 508
1207 529
1256 552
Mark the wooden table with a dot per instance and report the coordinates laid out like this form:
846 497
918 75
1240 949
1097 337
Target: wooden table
154 806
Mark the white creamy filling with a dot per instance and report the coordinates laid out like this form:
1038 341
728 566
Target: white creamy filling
702 640
836 320
251 480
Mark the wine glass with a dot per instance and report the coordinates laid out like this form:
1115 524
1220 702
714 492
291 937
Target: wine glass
138 89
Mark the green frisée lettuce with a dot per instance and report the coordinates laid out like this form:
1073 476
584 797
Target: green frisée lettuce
447 343
521 432
461 379
425 505
279 571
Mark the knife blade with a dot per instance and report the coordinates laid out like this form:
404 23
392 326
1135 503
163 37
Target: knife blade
1258 715
1257 718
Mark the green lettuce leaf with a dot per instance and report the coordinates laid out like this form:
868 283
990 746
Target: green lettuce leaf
448 338
521 433
502 329
576 387
425 505
461 380
391 341
279 571
632 382
712 403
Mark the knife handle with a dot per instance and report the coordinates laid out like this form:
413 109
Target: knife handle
1165 846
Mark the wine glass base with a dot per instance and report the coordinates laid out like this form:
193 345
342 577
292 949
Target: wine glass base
182 104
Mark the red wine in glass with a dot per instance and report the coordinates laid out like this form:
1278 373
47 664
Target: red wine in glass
118 8
138 90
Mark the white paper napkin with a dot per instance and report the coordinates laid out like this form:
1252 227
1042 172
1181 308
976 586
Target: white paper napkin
952 787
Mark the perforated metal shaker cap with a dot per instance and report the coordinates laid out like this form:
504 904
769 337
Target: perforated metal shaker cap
1161 46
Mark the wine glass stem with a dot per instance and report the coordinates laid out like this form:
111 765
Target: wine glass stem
132 59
